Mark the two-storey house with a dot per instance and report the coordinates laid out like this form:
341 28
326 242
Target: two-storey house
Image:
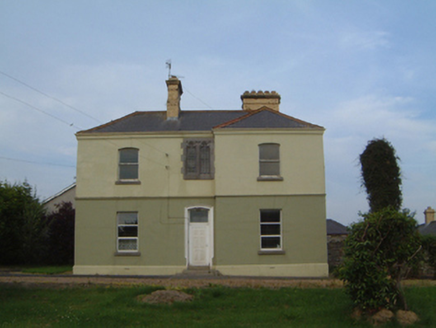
241 192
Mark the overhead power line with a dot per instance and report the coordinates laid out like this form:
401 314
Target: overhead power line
197 98
34 162
48 96
40 110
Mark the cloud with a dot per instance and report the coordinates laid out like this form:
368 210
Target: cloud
365 40
351 124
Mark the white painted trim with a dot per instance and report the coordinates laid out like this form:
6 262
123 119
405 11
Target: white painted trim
303 270
211 234
307 270
127 270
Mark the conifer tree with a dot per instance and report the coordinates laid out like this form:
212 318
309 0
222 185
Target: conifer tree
381 175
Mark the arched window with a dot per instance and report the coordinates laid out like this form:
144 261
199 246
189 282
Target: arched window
128 164
269 161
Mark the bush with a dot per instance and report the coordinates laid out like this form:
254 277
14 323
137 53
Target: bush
429 247
61 234
22 229
379 252
27 235
381 175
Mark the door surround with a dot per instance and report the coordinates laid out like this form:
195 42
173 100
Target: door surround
209 231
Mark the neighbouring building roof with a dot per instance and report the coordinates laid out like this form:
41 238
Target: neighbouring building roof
336 228
428 229
201 121
65 195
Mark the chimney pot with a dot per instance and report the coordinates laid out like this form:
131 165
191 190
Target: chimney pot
255 100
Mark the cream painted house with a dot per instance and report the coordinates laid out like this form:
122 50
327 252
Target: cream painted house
239 192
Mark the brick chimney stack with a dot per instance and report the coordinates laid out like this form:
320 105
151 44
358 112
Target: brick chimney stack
255 100
429 215
175 91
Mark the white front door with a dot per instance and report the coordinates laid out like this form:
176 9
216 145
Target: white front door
199 237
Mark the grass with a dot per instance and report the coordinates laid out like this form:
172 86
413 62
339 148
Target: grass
212 307
48 269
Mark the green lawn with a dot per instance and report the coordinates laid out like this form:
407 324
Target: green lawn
212 307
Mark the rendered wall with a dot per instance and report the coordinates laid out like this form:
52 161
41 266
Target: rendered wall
235 193
160 175
237 163
161 233
236 236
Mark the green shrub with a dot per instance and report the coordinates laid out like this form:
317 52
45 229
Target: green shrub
381 175
378 253
429 247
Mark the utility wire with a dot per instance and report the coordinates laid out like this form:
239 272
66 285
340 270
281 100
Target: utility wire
40 110
63 103
48 96
73 108
197 98
34 162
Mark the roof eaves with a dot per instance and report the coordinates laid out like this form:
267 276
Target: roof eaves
63 191
95 129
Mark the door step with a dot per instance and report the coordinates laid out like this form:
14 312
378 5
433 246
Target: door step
199 271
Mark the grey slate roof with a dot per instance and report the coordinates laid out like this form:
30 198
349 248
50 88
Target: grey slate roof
428 229
201 121
335 228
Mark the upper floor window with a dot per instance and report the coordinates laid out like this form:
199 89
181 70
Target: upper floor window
128 164
269 162
198 159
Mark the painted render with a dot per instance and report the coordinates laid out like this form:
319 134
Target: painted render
234 197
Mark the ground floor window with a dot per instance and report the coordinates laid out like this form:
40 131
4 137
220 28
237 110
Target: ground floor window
270 229
127 237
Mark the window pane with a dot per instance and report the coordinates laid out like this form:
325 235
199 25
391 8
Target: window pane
128 218
269 168
128 172
127 231
129 156
191 160
270 216
127 244
270 229
198 215
204 159
269 151
271 242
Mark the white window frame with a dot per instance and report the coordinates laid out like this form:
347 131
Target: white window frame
130 237
120 179
269 177
279 223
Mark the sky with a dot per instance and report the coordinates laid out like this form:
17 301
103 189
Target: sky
361 69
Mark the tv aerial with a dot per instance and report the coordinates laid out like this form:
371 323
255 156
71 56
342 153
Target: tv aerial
168 63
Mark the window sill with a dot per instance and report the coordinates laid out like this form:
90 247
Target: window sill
272 252
198 177
270 178
127 254
128 182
